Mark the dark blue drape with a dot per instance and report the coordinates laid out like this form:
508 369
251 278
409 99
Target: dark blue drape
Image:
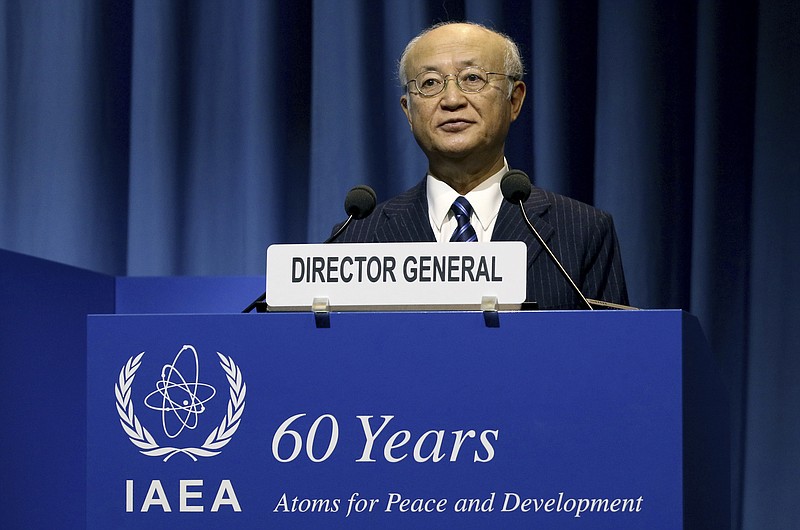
179 137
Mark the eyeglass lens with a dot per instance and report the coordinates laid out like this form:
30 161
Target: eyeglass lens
470 79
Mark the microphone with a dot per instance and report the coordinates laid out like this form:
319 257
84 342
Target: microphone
359 203
516 188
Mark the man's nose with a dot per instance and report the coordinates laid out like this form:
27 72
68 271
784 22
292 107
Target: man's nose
452 96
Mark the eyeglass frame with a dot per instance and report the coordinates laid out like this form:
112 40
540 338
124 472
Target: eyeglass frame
455 77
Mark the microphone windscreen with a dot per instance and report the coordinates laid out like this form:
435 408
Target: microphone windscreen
360 201
515 186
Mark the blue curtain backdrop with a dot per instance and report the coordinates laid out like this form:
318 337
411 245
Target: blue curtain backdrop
168 137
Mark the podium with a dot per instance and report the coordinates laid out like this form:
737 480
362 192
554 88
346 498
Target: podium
397 420
608 419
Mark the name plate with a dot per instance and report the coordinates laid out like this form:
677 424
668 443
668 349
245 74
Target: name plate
396 275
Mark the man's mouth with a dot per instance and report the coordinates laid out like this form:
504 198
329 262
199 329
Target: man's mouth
454 125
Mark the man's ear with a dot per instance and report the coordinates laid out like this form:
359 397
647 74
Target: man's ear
517 98
404 103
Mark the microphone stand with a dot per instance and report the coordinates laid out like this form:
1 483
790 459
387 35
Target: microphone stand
259 304
341 229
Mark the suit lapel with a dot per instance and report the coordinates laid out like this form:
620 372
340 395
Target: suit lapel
510 225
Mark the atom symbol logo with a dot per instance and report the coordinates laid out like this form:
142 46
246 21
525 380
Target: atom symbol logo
219 437
181 402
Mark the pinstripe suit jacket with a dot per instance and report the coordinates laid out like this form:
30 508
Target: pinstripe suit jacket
582 237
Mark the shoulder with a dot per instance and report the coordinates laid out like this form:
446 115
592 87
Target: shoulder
576 228
404 200
398 212
560 209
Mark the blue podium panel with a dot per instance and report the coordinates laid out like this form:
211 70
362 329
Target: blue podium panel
403 420
43 307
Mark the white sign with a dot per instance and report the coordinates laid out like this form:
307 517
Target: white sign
399 275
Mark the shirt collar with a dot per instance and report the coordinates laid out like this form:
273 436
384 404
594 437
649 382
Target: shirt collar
485 199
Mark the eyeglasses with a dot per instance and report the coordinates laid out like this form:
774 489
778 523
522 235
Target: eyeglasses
470 80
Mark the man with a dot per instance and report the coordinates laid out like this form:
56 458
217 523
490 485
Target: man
463 89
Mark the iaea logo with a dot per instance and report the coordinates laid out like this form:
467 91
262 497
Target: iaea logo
180 396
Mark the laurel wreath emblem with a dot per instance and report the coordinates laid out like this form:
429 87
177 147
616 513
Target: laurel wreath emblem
219 437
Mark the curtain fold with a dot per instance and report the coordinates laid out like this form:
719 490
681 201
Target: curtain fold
65 131
771 393
179 137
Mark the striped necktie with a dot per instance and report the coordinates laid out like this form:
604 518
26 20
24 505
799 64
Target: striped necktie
462 210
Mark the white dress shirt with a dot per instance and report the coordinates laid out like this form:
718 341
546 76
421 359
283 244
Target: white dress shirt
485 200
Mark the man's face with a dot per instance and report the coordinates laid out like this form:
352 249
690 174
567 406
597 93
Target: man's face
454 126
